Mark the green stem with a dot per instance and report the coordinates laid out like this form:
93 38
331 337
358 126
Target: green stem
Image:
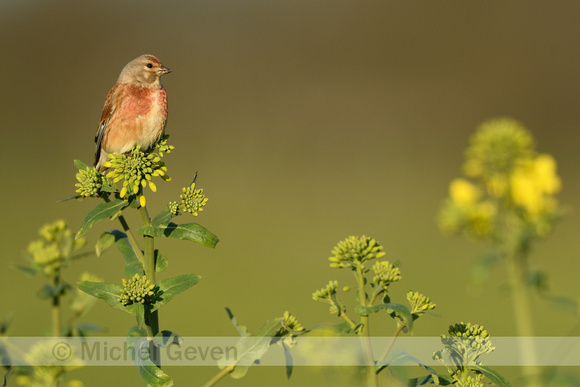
372 379
151 323
131 239
388 349
347 319
130 236
220 375
374 296
56 311
517 271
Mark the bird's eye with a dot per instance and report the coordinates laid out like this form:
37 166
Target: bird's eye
149 65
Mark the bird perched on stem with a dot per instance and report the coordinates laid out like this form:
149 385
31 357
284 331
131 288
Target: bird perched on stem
135 110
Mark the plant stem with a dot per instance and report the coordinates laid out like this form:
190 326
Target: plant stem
388 349
516 268
130 236
220 375
151 323
56 311
372 379
131 239
347 319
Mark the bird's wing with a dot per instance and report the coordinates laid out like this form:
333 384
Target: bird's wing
108 111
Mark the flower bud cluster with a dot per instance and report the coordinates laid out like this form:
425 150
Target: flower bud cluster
354 251
192 200
55 247
137 289
385 274
419 303
89 183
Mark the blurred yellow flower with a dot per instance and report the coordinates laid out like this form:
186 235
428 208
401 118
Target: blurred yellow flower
463 192
533 183
497 147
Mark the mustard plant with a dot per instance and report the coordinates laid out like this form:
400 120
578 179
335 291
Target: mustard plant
48 257
122 188
508 199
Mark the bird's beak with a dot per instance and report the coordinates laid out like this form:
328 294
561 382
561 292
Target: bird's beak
163 70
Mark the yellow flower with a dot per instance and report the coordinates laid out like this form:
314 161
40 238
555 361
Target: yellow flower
463 192
533 183
497 148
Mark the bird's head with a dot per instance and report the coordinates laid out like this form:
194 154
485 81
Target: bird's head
143 71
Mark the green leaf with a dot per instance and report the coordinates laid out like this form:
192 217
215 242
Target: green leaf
165 338
108 188
6 323
162 217
109 293
190 232
289 361
85 330
482 268
492 375
250 349
102 211
28 270
105 241
80 165
48 291
440 380
65 199
132 264
137 343
242 330
171 287
161 262
402 358
395 310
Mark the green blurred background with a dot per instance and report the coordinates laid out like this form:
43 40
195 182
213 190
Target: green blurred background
307 121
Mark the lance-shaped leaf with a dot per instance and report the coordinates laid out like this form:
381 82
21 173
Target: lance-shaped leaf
190 232
171 287
289 361
163 217
161 262
491 375
242 329
439 380
102 211
140 346
396 310
165 338
250 349
110 294
132 264
80 165
403 358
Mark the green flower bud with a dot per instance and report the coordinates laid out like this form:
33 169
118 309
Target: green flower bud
137 289
192 200
419 303
55 248
467 342
291 324
325 293
496 149
89 183
354 252
385 274
173 208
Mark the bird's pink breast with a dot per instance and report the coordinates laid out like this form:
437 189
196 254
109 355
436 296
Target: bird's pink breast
140 119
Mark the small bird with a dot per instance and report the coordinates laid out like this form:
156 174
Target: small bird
135 111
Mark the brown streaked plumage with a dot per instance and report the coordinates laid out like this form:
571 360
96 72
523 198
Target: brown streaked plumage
135 111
